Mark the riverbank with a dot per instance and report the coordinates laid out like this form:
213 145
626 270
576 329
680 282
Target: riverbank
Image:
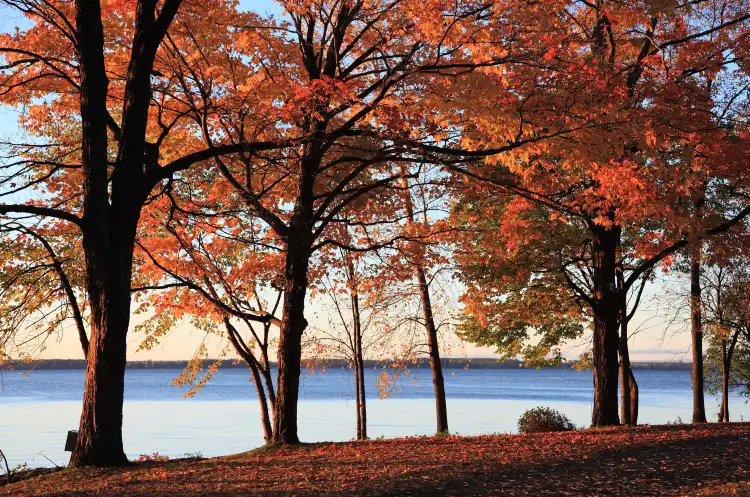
708 460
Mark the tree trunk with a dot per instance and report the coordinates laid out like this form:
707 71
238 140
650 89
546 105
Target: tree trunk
359 369
100 430
270 389
255 369
107 277
112 202
699 408
633 398
362 399
726 364
293 326
438 381
356 399
625 394
628 385
606 309
264 415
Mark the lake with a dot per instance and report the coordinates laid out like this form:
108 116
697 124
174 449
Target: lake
37 410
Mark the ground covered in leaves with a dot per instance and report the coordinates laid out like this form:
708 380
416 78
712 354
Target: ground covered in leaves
708 460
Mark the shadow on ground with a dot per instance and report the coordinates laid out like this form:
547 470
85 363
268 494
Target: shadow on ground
659 461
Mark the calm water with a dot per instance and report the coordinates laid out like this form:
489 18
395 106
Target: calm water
37 410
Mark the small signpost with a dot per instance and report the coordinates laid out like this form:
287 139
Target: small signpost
70 442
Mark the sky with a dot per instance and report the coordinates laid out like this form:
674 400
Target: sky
656 334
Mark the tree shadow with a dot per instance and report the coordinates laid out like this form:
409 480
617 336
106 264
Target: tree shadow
678 467
655 467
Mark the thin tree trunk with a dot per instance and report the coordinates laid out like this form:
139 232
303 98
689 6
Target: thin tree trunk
438 381
265 369
628 385
243 351
633 398
725 364
357 400
358 359
362 398
625 394
696 321
266 372
606 309
727 352
264 415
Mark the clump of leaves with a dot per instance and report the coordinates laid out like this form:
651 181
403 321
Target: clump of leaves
677 421
543 420
152 458
193 456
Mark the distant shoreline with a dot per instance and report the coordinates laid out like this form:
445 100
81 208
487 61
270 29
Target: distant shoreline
448 363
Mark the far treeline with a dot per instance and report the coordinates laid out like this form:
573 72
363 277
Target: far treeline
463 364
513 173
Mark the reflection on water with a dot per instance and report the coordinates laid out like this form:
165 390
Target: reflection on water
36 411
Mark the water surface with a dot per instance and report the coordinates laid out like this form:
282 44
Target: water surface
37 410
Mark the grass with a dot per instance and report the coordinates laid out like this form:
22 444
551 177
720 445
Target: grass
705 460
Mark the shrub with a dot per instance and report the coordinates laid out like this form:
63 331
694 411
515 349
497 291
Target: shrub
544 419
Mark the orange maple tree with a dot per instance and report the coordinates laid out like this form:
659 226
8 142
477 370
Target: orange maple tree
649 137
106 124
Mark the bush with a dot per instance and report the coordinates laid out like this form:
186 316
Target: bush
544 419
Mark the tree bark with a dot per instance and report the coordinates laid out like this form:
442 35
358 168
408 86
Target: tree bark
633 398
100 430
696 321
606 309
362 400
255 369
625 393
112 205
108 256
356 399
263 401
293 326
727 352
269 387
628 385
438 381
725 364
359 370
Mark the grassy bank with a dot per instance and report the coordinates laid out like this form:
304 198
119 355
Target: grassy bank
708 460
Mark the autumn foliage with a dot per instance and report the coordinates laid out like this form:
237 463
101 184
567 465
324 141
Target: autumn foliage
654 461
196 160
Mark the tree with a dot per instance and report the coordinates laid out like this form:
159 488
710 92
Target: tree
418 257
213 272
338 80
628 384
360 305
649 120
727 315
107 125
